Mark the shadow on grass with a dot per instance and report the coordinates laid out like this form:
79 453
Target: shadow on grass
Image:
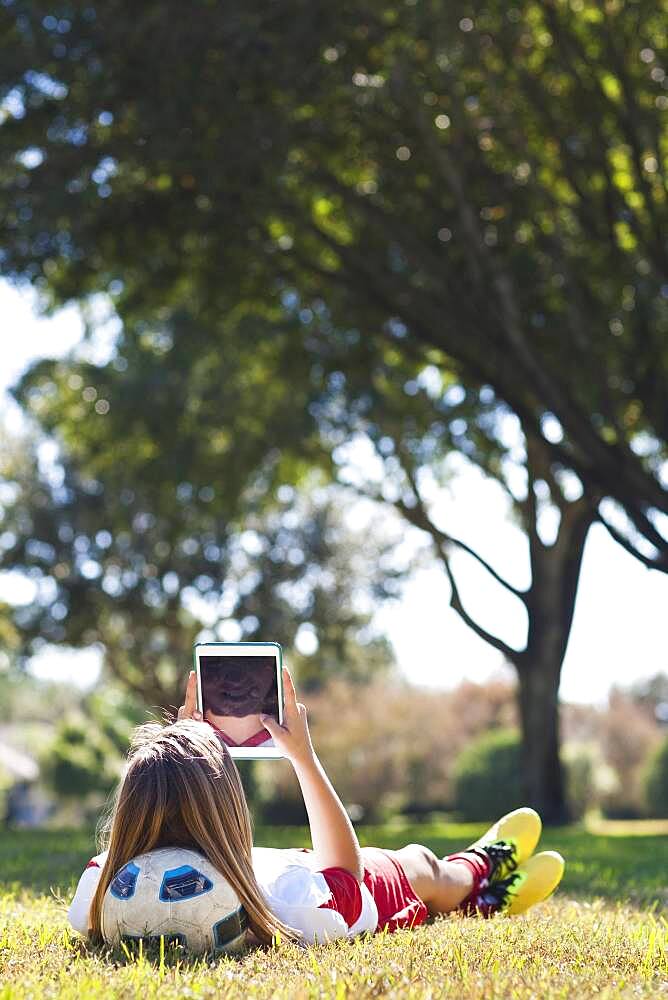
170 955
614 867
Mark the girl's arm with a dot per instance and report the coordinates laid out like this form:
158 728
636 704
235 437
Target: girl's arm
335 843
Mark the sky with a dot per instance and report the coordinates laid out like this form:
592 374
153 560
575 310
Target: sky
618 633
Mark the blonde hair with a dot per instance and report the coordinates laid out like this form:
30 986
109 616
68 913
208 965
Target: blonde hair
182 789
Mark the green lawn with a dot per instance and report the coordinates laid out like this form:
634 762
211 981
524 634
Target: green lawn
603 934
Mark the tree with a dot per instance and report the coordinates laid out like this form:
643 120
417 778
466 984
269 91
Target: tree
492 185
144 571
171 457
411 443
484 195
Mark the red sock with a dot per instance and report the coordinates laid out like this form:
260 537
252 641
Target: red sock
480 867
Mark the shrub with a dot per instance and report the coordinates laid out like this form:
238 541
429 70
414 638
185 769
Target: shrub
387 746
579 769
85 756
487 776
80 760
589 779
629 734
656 782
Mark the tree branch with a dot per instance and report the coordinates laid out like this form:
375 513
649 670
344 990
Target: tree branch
456 604
612 460
554 393
626 545
420 518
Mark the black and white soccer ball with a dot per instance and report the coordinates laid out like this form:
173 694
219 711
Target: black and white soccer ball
176 894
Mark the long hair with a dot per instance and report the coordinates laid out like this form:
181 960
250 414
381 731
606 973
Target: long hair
182 789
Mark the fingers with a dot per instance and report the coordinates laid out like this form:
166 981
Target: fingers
289 692
291 709
288 683
292 738
189 709
272 726
191 693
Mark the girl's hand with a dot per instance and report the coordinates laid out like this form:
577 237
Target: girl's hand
189 709
292 738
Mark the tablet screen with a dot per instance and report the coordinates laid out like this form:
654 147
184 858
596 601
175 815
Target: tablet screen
236 691
239 685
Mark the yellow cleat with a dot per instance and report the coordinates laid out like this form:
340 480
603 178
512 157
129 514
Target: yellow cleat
532 883
521 829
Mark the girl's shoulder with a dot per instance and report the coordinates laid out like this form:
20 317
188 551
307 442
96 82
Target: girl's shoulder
289 875
322 904
278 859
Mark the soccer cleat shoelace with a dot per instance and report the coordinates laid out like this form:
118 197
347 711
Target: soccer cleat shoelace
495 897
502 857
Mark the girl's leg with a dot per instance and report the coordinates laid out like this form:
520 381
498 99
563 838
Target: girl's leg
441 884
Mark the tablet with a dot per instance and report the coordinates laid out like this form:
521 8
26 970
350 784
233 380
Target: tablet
236 683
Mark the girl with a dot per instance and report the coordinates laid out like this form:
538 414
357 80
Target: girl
182 789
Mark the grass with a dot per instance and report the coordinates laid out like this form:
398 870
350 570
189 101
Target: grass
603 934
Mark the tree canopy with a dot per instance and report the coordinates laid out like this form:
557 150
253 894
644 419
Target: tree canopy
488 188
143 576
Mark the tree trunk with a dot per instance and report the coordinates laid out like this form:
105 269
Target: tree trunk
542 773
550 605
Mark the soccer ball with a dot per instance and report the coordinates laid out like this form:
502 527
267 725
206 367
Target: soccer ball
178 894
